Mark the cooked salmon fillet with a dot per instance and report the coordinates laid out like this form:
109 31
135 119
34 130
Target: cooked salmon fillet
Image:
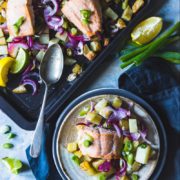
17 9
106 143
72 10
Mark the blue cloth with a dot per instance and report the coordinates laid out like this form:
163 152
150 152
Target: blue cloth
155 82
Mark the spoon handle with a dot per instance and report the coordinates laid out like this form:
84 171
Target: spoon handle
35 147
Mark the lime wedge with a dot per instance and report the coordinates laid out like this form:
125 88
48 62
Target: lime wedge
147 30
12 164
22 60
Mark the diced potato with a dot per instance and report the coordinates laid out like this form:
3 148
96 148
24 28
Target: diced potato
133 126
97 163
106 41
72 147
105 112
95 46
117 102
93 117
78 154
124 123
100 105
90 55
137 5
111 14
85 166
3 50
143 153
127 14
20 89
63 37
87 158
120 24
1 33
77 69
136 166
125 4
124 178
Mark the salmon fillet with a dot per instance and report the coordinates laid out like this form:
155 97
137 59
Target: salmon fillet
17 9
72 8
106 143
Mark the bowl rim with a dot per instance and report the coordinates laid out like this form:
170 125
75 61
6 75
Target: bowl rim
119 92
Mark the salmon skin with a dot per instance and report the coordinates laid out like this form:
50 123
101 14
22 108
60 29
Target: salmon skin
72 10
106 143
17 9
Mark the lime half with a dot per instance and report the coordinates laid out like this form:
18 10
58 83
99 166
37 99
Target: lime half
21 61
12 164
147 30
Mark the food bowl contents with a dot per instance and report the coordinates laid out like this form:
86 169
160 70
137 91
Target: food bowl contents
111 140
82 28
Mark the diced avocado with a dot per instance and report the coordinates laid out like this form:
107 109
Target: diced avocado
130 159
44 38
1 33
124 123
133 126
137 5
134 177
143 153
128 146
40 55
76 159
117 102
136 166
105 112
120 24
97 163
111 14
86 166
93 117
2 41
84 110
100 105
127 14
63 37
3 50
78 154
72 147
69 61
95 46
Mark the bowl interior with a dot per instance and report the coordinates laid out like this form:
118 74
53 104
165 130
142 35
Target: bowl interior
68 133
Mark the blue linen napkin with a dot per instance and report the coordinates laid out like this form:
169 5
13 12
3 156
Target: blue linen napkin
155 82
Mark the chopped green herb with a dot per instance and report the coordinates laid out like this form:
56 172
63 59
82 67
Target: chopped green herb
128 146
8 145
5 129
18 24
74 31
86 14
134 177
11 135
143 146
130 159
76 159
87 143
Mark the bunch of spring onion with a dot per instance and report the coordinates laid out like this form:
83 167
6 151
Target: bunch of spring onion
135 54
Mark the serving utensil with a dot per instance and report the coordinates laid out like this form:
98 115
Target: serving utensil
51 69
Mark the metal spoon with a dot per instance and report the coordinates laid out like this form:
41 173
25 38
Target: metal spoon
51 69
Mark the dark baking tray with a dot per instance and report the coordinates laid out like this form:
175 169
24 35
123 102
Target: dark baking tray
25 108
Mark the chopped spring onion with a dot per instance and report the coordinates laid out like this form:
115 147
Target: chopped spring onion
18 24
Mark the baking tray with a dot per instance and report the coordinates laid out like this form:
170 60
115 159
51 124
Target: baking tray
25 107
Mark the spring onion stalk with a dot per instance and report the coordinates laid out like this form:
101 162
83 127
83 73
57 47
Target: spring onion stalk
152 47
173 57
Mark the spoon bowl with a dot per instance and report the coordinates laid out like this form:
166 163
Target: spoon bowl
51 69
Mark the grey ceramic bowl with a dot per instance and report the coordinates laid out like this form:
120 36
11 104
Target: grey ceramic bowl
66 132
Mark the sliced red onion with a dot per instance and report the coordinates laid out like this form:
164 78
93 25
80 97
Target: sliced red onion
105 167
32 83
123 168
30 75
118 129
92 104
55 22
131 136
38 46
49 11
79 48
19 40
30 41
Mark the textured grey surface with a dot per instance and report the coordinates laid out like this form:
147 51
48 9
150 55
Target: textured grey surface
105 76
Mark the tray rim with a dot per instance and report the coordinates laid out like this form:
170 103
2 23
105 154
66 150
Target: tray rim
127 94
